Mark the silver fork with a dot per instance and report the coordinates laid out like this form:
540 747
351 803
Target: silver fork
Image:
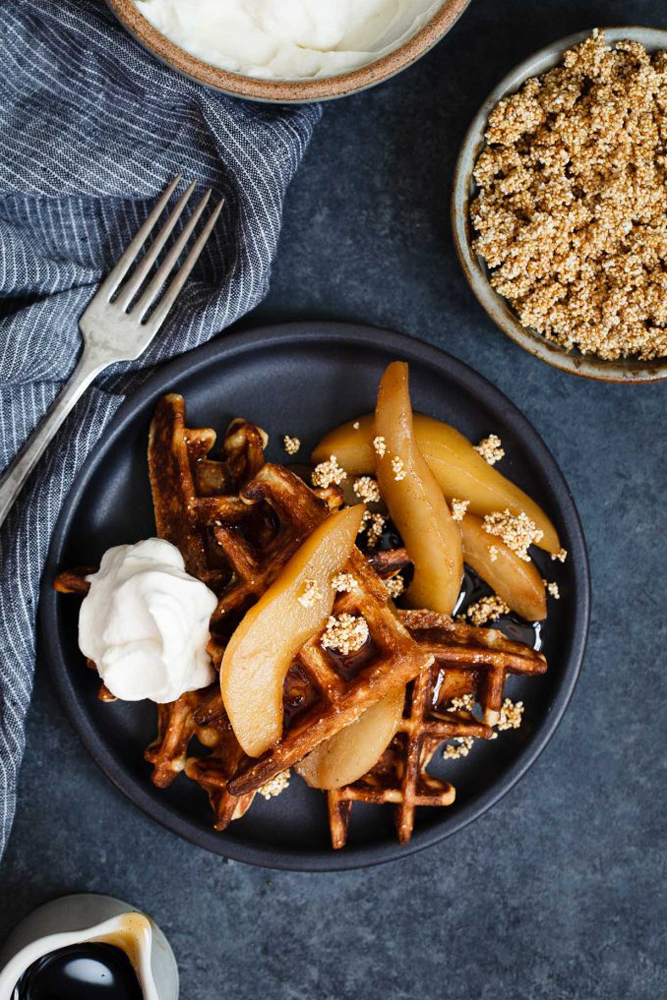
112 331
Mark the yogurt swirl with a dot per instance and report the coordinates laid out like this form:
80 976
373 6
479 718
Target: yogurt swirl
288 39
145 623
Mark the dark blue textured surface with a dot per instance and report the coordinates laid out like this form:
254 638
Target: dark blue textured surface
559 892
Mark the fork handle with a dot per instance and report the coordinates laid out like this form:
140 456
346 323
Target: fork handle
13 479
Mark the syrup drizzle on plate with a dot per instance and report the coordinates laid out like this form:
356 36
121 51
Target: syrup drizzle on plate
473 588
511 625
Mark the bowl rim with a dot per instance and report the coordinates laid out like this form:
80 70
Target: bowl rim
246 343
289 91
626 371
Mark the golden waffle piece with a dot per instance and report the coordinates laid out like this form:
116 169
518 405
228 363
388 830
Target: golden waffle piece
484 656
253 550
236 521
199 714
388 563
293 511
73 581
464 656
324 691
193 492
237 547
400 776
339 688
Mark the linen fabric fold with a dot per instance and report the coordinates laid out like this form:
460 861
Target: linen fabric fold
92 128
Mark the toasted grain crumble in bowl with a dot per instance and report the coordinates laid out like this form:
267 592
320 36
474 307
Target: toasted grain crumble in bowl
571 213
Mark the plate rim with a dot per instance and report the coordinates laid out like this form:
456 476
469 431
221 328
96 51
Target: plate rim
230 345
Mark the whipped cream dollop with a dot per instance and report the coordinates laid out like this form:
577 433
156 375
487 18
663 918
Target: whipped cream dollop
288 39
145 623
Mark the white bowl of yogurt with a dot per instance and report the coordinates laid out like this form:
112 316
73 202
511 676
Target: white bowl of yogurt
288 50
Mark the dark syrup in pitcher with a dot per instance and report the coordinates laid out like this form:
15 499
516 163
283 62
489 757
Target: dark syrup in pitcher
94 971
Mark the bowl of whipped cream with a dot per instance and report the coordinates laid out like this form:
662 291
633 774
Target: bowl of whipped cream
288 50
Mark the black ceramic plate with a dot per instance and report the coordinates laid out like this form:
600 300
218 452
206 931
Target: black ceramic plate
303 379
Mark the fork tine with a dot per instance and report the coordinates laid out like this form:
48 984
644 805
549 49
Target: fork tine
128 291
169 297
114 278
148 296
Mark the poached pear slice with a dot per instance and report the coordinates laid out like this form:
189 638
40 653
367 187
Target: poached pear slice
461 471
517 582
264 645
415 501
353 751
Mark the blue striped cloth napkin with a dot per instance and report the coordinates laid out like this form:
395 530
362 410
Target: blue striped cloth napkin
91 130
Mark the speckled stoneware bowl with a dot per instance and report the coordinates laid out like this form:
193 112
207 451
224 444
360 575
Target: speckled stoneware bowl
290 91
474 267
